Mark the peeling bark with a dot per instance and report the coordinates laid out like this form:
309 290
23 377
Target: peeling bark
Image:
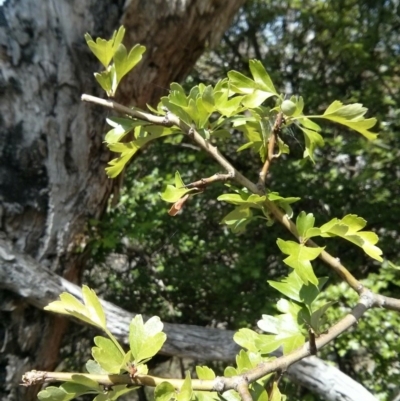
52 158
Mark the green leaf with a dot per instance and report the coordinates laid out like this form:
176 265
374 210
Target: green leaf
275 393
93 306
121 127
238 219
240 83
81 380
164 392
252 200
303 223
315 319
258 392
206 396
94 368
261 77
92 312
312 140
268 343
246 338
107 355
352 116
230 371
282 202
231 395
299 259
349 228
106 80
126 62
145 340
286 330
186 391
173 193
55 394
294 288
128 150
104 49
205 373
256 98
243 362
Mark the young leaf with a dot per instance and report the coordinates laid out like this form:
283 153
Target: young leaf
186 391
82 381
164 392
276 394
246 338
145 339
125 62
121 127
106 80
261 77
104 49
238 219
352 116
312 140
286 330
315 319
303 223
92 312
52 393
93 305
205 373
349 228
107 355
299 259
128 150
94 368
173 193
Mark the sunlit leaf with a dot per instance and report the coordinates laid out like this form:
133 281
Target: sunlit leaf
349 228
299 259
164 392
107 355
205 373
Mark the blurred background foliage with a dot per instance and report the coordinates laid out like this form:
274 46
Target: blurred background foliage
191 269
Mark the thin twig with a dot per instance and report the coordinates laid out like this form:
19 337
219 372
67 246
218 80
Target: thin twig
202 183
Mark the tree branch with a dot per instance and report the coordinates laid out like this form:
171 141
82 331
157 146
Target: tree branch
170 120
24 276
219 384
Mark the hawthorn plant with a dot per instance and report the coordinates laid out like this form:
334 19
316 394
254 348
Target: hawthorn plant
207 114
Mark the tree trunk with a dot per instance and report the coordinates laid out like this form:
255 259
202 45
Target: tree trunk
52 159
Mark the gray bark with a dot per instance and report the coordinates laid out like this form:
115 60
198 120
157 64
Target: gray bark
39 286
52 158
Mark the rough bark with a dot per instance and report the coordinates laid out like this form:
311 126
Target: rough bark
52 159
39 286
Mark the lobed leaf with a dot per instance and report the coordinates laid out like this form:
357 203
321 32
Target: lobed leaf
107 355
91 312
299 259
349 228
145 340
